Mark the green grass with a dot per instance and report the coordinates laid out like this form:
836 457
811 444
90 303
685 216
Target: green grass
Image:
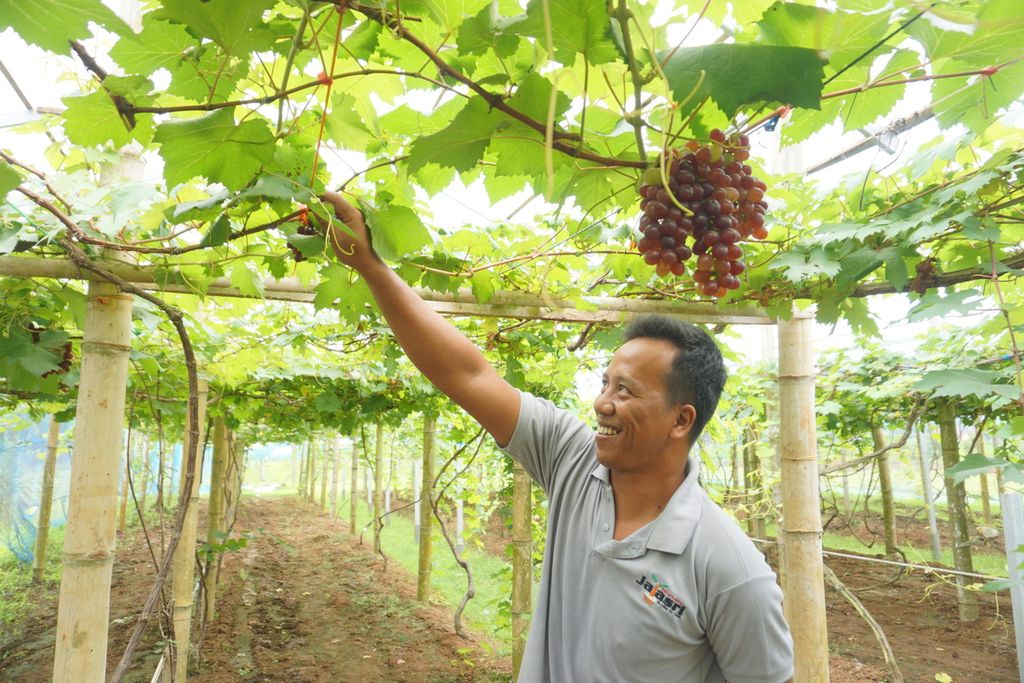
491 576
15 578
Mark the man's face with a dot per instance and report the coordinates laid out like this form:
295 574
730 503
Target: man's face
637 427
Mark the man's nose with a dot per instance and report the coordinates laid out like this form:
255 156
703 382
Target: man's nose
603 404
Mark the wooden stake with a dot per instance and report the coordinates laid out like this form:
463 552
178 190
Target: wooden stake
335 472
801 561
184 564
378 487
83 611
967 600
45 502
522 563
353 501
426 512
885 484
215 515
324 462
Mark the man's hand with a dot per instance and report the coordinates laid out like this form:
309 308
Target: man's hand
354 248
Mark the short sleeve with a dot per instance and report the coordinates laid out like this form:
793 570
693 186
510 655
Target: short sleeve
546 439
749 634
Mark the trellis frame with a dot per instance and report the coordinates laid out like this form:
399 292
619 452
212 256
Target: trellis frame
801 564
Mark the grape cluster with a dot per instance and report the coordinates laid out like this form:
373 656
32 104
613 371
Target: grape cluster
708 202
305 228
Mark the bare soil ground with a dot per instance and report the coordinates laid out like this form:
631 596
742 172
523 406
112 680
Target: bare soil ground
301 602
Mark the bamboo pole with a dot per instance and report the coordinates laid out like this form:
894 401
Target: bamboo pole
324 463
46 502
184 564
754 485
353 499
215 515
522 563
929 499
144 474
311 471
426 516
335 472
122 512
885 484
986 504
303 454
501 304
83 613
803 570
967 600
378 487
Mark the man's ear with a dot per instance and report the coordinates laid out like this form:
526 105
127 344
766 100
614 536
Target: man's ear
686 417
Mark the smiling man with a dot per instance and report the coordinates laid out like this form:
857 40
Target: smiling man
645 578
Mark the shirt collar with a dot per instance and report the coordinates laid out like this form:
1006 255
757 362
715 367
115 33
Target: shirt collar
675 526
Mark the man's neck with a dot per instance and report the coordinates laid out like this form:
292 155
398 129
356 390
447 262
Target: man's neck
641 496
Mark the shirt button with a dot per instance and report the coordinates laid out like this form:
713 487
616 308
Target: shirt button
604 527
634 546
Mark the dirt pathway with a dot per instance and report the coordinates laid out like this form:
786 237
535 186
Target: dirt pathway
304 603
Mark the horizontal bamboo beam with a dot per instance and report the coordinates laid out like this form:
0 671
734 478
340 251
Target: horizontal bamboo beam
503 304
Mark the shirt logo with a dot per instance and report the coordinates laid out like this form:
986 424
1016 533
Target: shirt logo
656 592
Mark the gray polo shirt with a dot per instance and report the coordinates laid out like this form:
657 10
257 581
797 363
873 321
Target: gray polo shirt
685 598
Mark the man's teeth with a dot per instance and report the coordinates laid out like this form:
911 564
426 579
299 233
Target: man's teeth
607 431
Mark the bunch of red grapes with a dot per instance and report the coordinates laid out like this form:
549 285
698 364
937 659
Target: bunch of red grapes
305 228
707 203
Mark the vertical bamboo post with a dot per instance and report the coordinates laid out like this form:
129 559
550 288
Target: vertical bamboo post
215 514
335 471
314 452
378 486
426 513
522 563
83 612
45 502
967 600
144 475
803 570
929 498
353 501
303 455
325 461
296 476
986 504
183 566
885 484
122 512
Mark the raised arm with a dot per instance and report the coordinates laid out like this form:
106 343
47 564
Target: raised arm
442 353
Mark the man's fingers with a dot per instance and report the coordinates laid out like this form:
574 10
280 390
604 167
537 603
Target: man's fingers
342 209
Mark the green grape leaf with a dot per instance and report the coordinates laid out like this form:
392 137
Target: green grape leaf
218 234
214 147
94 120
483 284
967 382
397 231
736 75
237 27
462 143
206 75
933 305
50 24
160 45
345 126
246 280
486 31
9 178
577 26
844 36
309 245
974 464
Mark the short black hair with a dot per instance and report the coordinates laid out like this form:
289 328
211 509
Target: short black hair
697 374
